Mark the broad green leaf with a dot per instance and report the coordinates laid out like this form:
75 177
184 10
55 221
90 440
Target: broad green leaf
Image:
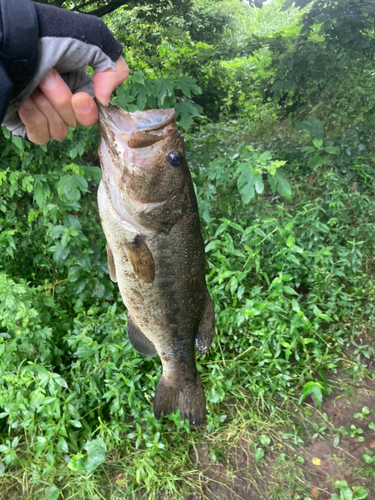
360 493
265 440
246 186
18 142
346 494
137 77
52 493
317 143
258 183
283 186
331 150
71 186
341 484
164 89
187 85
185 111
95 454
313 126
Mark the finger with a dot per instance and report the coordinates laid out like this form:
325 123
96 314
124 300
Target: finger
106 81
58 129
85 109
35 122
59 95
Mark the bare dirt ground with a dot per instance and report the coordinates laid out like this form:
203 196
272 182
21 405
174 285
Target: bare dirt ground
325 448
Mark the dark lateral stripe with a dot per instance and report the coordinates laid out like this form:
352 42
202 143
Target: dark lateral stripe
19 44
55 22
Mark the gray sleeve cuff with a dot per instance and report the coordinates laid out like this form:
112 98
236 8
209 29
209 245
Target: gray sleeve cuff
69 57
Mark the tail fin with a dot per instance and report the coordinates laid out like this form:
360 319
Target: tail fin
188 399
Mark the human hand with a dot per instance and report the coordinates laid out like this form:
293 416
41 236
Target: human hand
52 107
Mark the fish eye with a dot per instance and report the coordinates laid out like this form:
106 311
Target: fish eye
174 159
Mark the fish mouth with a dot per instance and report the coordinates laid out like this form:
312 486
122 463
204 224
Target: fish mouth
138 129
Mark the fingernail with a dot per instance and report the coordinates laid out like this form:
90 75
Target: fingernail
83 106
49 80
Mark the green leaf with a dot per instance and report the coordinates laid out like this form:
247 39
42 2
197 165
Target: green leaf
341 484
185 112
187 85
313 126
265 440
277 85
62 445
346 494
18 142
258 183
360 493
76 423
245 184
317 143
283 186
272 181
70 186
164 89
52 493
137 77
258 454
95 454
331 150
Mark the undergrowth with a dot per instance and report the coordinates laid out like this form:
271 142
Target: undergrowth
292 282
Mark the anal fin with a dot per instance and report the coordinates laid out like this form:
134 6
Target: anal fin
139 340
111 264
206 328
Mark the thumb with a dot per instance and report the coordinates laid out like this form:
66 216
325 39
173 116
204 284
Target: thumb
106 81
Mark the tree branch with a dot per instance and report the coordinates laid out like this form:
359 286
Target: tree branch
78 8
106 9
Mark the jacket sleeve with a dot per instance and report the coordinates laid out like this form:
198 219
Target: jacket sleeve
57 38
19 34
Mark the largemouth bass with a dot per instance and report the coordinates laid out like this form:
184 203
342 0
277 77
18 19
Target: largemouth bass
149 215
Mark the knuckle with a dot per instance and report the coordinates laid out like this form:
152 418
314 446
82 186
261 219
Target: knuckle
59 131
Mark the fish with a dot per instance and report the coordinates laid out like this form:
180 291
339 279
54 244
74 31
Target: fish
155 250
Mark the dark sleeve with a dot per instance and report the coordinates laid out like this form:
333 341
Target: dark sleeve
57 38
19 34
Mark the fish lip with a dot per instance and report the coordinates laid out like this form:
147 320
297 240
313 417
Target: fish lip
134 120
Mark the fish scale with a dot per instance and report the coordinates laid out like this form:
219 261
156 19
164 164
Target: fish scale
150 218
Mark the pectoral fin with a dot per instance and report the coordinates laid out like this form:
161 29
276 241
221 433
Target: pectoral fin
141 259
111 264
206 327
139 340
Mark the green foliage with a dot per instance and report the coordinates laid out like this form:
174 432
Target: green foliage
141 93
347 494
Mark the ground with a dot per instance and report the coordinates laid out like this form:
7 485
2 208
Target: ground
301 461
